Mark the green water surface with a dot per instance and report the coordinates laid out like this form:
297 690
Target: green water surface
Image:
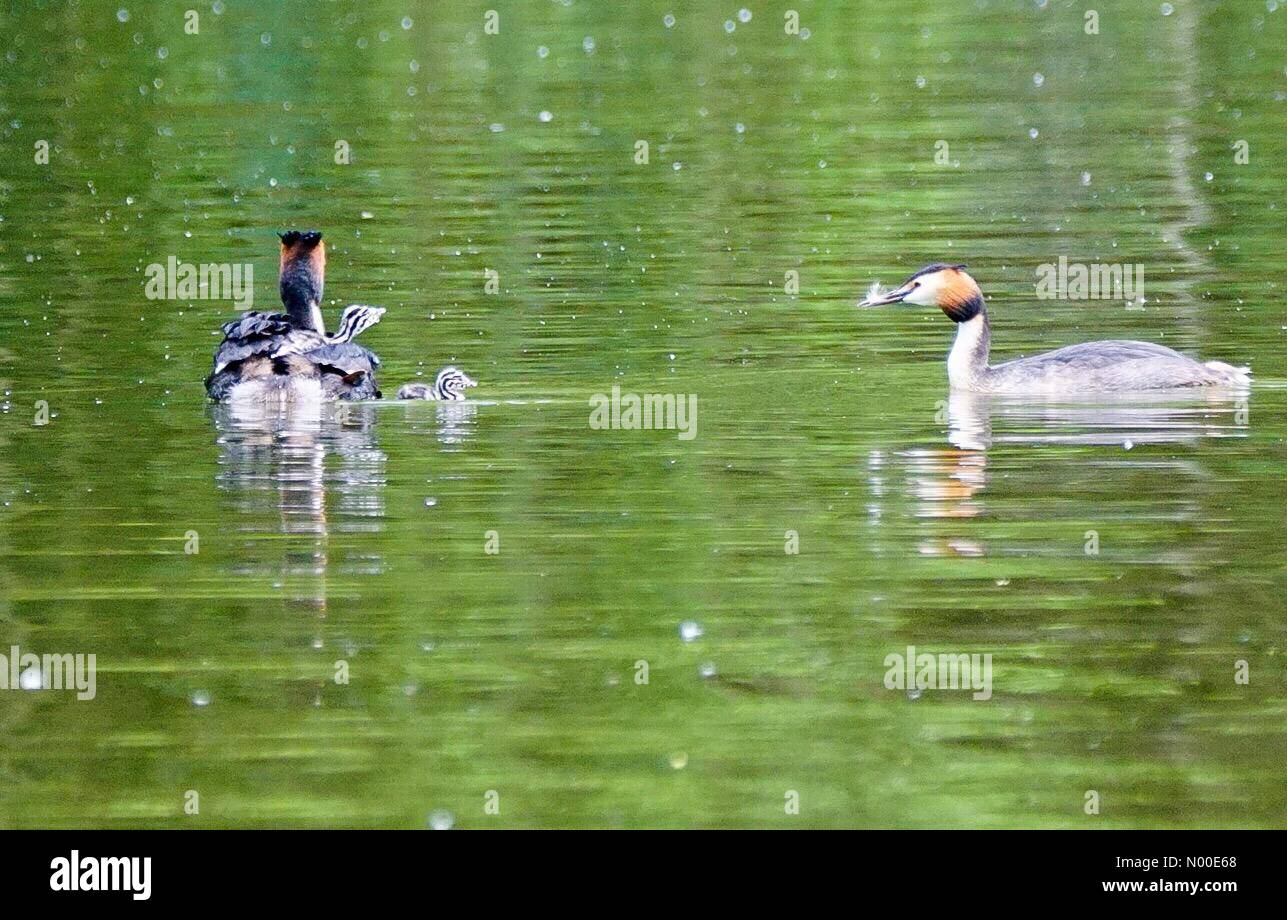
644 649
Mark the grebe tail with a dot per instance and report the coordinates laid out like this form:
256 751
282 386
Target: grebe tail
1109 365
281 382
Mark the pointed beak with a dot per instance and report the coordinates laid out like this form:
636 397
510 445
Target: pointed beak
878 299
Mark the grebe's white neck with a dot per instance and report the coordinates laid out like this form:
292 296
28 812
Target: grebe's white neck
967 363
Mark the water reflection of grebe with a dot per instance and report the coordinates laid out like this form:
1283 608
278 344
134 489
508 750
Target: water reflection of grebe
308 464
947 483
1164 417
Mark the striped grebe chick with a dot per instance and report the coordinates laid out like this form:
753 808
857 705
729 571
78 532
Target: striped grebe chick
253 347
450 386
1109 365
355 319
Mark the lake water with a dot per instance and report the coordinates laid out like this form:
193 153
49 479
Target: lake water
491 614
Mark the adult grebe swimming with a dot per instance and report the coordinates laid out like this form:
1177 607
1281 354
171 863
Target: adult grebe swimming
1111 364
288 356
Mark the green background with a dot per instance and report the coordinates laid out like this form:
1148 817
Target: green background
361 538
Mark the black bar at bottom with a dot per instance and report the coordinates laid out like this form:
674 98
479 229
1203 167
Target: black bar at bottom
330 868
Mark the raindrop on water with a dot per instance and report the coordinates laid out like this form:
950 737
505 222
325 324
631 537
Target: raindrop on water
442 820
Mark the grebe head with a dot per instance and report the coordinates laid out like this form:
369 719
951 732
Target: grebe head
947 287
452 383
355 319
303 271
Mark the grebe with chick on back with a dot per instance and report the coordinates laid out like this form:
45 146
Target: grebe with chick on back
288 357
1103 366
280 359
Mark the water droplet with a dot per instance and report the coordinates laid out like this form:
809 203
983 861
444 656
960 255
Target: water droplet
729 25
690 630
442 820
542 52
545 116
200 698
123 15
1208 177
1128 444
1085 178
1167 9
668 20
1033 133
406 22
707 670
914 693
430 502
679 760
1038 79
744 15
32 678
587 44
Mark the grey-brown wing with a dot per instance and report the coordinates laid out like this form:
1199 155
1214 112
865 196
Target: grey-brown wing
348 371
1091 355
1113 364
348 355
253 334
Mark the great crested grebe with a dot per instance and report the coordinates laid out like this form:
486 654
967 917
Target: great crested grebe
288 356
1109 365
449 386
